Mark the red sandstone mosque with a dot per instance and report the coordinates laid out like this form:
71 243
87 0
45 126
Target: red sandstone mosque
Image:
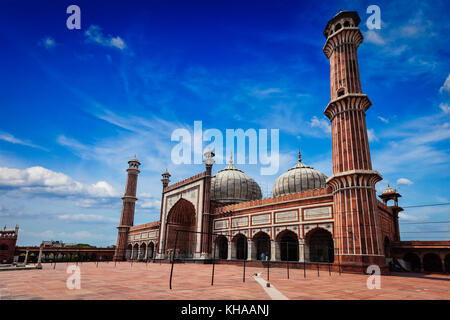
310 217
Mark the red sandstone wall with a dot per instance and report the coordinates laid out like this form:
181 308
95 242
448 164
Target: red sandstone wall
8 254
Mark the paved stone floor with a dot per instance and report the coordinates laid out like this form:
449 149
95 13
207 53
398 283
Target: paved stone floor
193 281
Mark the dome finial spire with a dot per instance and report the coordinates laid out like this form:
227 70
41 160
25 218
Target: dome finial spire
299 156
231 158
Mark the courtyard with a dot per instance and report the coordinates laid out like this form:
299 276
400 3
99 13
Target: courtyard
131 281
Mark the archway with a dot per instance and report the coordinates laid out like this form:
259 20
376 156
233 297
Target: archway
413 260
432 263
387 247
135 251
262 243
320 245
128 252
239 246
447 263
181 217
221 247
142 251
150 250
288 245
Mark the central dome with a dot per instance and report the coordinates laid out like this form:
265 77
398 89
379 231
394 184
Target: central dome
300 177
231 185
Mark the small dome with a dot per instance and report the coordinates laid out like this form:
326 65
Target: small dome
134 159
232 185
300 177
389 190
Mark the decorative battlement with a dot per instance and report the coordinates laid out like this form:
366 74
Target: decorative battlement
185 181
145 226
278 199
10 234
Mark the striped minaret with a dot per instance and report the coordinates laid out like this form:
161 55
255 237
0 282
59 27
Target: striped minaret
357 224
127 215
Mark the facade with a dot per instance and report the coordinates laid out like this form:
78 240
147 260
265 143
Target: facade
310 218
8 239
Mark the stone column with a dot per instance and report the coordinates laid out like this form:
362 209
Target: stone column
26 259
39 265
132 250
251 251
274 253
230 243
301 248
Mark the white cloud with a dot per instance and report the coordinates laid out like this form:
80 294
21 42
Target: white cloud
47 42
383 119
11 139
42 180
446 86
145 195
414 139
94 34
372 36
321 123
445 108
371 135
86 218
404 181
155 204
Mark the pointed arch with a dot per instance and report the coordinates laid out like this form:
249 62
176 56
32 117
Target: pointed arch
261 241
319 245
221 245
181 217
239 247
287 245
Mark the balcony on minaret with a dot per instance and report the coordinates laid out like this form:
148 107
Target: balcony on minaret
134 163
165 178
343 38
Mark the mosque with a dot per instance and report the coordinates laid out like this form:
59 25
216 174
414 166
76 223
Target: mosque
309 218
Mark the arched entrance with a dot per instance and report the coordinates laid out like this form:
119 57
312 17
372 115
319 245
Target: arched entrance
288 245
135 251
239 247
150 250
181 217
432 263
221 247
447 263
262 244
387 247
320 247
413 260
128 252
142 251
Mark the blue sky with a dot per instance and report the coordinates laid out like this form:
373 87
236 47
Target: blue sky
75 105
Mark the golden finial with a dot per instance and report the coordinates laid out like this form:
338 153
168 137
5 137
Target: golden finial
231 158
299 156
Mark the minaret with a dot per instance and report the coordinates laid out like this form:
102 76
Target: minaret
206 242
127 216
357 224
392 194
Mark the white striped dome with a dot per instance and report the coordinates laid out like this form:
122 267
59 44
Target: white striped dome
300 177
232 185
